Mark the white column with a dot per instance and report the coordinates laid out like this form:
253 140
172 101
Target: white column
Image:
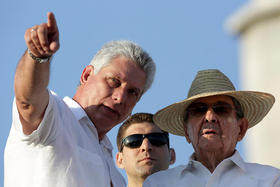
258 25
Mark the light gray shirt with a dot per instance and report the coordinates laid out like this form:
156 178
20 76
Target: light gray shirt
231 172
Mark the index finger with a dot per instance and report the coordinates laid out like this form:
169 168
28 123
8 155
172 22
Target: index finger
52 21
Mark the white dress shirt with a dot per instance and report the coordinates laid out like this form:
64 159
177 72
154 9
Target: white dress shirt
231 172
63 152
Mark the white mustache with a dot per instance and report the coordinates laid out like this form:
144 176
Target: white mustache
210 127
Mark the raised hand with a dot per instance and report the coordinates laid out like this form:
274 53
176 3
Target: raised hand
43 40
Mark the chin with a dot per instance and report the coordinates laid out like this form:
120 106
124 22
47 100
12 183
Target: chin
146 171
211 147
147 174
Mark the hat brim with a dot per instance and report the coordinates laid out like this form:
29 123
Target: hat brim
255 106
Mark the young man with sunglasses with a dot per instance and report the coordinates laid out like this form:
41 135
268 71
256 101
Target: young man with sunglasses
143 148
214 118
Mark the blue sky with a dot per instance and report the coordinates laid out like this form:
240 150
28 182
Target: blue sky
181 36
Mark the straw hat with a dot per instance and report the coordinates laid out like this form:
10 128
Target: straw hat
255 105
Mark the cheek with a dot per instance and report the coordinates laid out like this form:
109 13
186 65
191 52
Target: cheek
230 120
130 103
231 124
193 128
100 85
232 129
104 90
128 158
191 133
96 89
164 159
129 106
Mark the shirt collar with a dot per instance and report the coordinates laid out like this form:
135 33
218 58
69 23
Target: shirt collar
235 158
76 109
79 113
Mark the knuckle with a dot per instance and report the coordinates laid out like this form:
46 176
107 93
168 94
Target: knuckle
43 43
26 38
41 30
33 34
42 27
27 32
29 42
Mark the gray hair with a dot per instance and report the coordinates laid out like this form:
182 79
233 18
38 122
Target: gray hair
130 50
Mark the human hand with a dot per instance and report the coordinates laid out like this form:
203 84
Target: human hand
43 40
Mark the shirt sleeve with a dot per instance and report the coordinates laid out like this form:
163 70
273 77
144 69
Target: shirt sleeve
47 129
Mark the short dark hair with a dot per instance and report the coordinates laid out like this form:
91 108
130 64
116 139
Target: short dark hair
238 110
135 118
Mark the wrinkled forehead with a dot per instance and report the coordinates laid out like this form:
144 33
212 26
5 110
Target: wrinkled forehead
127 71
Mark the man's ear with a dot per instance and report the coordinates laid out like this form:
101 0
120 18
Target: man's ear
119 160
186 133
88 71
243 125
172 156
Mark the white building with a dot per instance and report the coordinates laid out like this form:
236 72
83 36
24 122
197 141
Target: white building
258 26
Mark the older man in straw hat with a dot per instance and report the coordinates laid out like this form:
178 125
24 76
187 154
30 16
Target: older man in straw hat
214 118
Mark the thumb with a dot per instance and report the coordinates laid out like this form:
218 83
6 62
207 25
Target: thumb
54 46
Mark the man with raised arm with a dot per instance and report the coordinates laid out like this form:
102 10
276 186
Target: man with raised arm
62 142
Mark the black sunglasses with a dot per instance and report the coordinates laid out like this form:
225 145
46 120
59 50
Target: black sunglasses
135 140
199 109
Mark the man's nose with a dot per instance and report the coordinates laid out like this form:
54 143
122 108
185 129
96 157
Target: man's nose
146 145
210 115
119 95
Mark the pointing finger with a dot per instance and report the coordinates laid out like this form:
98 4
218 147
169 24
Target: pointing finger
52 22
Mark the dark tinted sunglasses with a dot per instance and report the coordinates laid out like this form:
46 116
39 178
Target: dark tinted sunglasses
135 140
199 109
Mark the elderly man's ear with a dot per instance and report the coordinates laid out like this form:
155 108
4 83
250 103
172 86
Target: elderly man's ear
187 134
172 156
243 126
